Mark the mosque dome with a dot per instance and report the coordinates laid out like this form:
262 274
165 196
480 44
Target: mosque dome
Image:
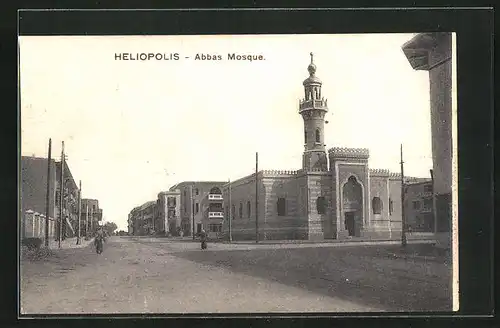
312 79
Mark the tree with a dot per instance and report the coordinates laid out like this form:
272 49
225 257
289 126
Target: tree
110 227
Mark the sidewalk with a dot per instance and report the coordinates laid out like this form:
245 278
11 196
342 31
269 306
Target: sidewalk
69 243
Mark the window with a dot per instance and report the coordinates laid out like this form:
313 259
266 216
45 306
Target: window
215 190
391 206
428 203
428 188
318 137
241 210
197 208
321 205
305 136
281 206
416 205
215 227
249 209
227 212
196 192
233 211
377 205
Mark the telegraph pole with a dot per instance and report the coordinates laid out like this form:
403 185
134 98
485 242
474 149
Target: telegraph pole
403 218
91 221
192 210
256 198
47 200
230 219
78 242
87 220
61 192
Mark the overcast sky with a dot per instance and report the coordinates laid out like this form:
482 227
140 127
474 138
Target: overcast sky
134 128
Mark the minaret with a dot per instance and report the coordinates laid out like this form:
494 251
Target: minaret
313 109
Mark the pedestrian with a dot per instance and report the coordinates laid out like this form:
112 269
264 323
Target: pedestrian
203 238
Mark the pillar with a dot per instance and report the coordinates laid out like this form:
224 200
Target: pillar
28 224
36 217
432 52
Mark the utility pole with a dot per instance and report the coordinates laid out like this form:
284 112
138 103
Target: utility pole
47 200
87 219
192 211
61 192
78 242
229 215
91 221
403 218
256 198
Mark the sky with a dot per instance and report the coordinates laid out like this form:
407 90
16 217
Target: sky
134 128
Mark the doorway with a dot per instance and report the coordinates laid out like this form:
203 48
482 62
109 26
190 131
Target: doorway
198 228
349 223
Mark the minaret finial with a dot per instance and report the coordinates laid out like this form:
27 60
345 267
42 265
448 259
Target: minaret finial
311 57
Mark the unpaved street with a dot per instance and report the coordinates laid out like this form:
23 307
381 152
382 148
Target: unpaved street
163 276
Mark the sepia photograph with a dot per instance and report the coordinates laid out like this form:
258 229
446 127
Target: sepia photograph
202 174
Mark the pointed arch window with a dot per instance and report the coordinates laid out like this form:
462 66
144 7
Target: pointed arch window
241 210
305 136
318 136
233 211
391 206
321 205
377 205
281 206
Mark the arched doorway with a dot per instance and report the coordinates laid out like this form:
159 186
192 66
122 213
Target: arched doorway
352 201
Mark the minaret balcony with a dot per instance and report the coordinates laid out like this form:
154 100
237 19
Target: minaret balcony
313 104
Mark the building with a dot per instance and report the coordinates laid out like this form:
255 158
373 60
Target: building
335 195
33 194
168 211
419 209
142 219
91 215
136 226
432 52
147 211
200 203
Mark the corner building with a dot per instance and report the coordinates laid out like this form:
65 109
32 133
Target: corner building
335 195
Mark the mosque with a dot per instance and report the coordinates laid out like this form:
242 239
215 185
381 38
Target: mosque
335 195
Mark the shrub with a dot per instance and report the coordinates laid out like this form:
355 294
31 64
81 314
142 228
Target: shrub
32 243
37 254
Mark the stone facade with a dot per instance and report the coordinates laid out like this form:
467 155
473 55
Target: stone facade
432 52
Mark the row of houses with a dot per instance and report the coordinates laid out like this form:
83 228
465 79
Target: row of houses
192 206
33 201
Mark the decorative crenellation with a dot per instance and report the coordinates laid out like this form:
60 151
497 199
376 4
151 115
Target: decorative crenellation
396 176
281 172
349 152
380 172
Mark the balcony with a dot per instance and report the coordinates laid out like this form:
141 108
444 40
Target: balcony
215 215
312 104
216 197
